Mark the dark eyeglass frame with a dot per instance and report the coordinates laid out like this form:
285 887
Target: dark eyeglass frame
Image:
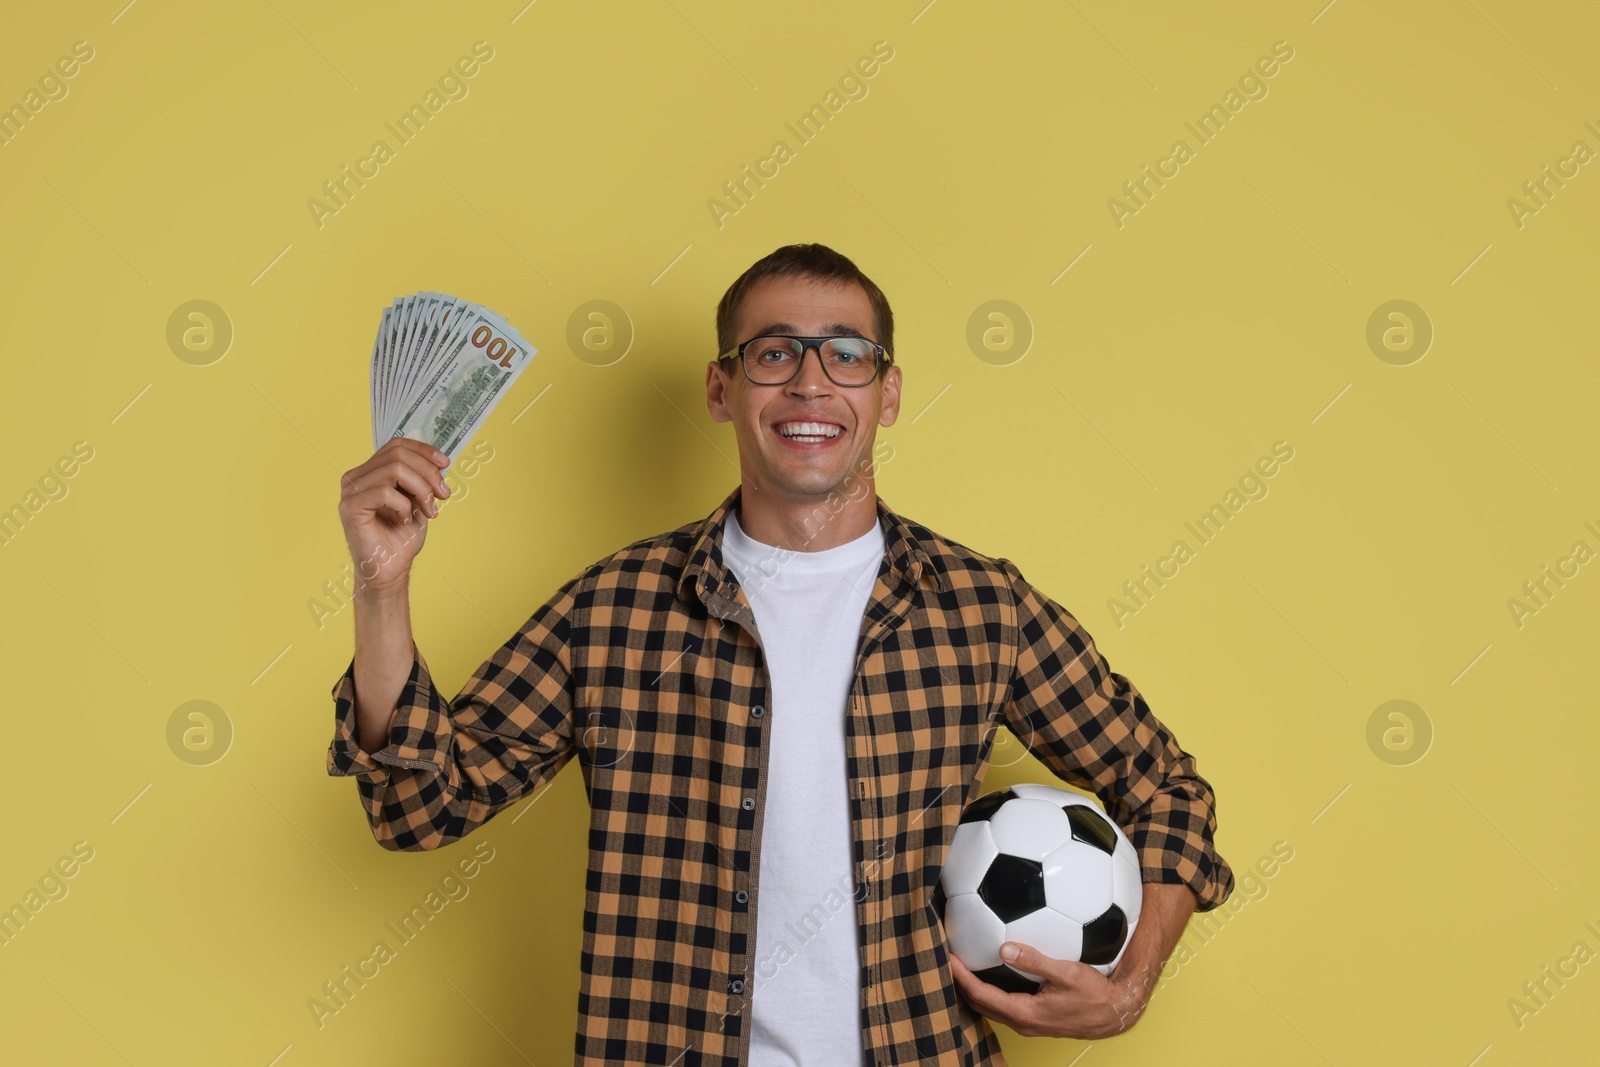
880 357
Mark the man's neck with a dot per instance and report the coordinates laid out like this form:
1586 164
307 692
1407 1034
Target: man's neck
808 524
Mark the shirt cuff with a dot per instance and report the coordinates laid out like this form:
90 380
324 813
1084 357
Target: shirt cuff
1173 839
418 735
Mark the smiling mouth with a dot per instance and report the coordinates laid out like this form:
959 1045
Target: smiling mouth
801 431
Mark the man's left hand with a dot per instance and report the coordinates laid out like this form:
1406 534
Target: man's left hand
1074 1000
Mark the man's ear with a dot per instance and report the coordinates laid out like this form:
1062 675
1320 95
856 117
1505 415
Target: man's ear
891 396
719 393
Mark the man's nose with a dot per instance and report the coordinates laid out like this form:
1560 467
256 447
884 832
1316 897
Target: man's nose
808 379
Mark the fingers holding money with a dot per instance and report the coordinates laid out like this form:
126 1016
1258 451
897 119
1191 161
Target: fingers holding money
400 475
385 505
389 503
429 459
405 466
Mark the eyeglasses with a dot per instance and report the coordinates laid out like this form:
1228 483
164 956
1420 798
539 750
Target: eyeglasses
775 359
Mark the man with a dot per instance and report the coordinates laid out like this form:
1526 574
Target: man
779 712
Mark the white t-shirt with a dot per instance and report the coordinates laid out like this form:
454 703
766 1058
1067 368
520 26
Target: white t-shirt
806 981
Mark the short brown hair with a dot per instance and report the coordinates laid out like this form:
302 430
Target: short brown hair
811 261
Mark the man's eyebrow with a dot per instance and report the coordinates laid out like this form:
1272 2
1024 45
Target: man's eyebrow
832 329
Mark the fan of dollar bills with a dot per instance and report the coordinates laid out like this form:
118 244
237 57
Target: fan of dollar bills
439 366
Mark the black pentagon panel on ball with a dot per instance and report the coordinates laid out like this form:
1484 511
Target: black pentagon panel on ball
1007 979
1013 887
1103 938
985 806
1091 828
938 898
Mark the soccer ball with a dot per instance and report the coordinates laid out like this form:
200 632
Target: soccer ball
1044 867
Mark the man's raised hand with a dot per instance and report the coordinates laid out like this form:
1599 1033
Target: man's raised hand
385 505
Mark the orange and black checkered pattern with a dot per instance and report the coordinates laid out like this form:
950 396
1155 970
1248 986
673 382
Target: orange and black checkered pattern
647 667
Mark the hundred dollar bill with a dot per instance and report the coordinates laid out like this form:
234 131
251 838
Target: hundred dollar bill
377 347
461 368
396 340
420 305
436 313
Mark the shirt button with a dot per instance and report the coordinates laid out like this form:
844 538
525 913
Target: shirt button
748 803
736 986
758 711
741 896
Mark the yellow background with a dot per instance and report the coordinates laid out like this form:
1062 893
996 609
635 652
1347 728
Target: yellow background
1229 313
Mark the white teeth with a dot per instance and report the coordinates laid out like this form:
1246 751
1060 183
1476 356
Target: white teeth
808 431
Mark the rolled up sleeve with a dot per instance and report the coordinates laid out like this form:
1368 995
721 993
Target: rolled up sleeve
1093 729
449 766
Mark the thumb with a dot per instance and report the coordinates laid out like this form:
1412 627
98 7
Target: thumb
1027 959
1036 964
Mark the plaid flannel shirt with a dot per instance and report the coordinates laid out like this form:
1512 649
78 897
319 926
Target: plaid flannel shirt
647 666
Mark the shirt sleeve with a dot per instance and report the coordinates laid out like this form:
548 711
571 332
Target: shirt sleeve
450 766
1092 728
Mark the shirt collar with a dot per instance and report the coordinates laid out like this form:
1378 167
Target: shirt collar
705 574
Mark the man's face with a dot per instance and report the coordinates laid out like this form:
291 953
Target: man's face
777 464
